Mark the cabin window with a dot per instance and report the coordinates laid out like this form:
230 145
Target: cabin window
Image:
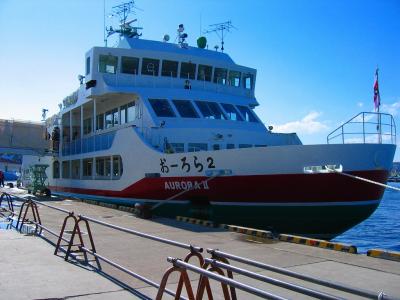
115 117
248 81
75 169
231 112
108 64
162 108
129 65
178 147
230 146
216 147
234 78
210 110
194 147
100 122
65 169
188 70
220 75
103 167
130 113
169 68
88 65
245 145
87 167
247 114
122 112
185 108
56 169
150 66
117 167
87 126
109 119
204 73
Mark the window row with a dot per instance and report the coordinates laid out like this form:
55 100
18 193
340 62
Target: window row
169 68
195 147
108 167
113 117
209 110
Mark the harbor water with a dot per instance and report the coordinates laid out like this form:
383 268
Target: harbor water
381 229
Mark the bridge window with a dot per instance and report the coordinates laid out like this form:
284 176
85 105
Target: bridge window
204 73
194 147
169 68
56 169
210 110
248 81
129 65
185 108
108 64
247 114
88 65
234 78
150 66
220 75
87 167
162 108
231 112
188 70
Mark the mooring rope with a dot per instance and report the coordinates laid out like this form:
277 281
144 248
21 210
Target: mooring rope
363 179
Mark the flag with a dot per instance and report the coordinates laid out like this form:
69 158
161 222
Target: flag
377 97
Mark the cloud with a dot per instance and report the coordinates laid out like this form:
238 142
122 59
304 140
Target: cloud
392 109
307 125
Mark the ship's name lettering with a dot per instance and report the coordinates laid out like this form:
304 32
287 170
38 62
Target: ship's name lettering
186 164
186 185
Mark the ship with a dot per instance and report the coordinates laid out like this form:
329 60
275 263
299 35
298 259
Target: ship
172 128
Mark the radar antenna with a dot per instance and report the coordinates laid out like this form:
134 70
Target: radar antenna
122 11
220 29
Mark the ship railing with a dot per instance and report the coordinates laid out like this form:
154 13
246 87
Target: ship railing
365 128
135 80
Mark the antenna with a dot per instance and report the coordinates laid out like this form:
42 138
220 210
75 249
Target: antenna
122 11
219 29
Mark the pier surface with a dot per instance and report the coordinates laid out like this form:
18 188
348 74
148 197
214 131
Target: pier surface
29 270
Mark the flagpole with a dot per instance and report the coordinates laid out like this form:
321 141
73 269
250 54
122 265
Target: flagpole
379 104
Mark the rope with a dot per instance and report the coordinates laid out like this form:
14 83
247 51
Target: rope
364 179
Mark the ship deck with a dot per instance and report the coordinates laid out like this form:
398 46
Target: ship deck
31 271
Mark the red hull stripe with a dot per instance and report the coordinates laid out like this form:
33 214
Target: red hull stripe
293 188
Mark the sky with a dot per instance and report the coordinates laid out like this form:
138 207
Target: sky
315 60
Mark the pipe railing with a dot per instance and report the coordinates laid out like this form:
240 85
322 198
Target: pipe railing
345 288
368 130
270 280
222 279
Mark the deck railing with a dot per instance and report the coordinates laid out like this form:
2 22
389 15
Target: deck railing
365 128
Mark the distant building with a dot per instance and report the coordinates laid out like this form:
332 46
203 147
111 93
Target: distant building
23 137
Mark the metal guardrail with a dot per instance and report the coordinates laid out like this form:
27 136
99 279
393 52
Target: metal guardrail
210 268
365 128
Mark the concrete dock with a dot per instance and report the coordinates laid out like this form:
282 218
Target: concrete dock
29 270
